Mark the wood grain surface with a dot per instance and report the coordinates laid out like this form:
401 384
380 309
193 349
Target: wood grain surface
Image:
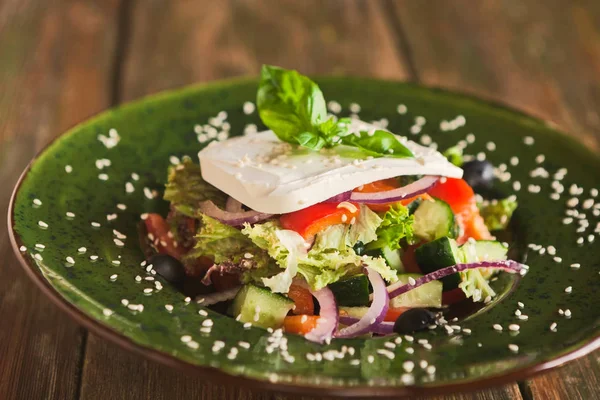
64 60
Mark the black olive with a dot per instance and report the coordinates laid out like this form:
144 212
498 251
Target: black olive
168 267
359 248
478 173
415 319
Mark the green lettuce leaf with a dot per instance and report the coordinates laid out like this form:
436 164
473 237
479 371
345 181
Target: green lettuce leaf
326 262
454 154
365 228
227 245
397 224
185 188
497 213
475 285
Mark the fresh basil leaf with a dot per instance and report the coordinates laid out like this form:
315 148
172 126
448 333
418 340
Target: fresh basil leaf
311 140
378 144
290 104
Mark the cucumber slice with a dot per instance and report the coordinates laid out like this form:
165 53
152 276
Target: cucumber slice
352 291
433 220
261 307
413 205
428 295
483 250
392 258
438 254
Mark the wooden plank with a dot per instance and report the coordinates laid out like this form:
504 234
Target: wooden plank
178 43
577 380
537 55
54 71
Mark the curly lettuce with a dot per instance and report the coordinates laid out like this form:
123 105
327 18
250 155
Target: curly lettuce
397 224
185 188
326 262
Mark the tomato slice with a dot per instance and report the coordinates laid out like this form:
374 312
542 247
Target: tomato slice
393 313
385 185
300 324
456 192
303 300
162 239
453 296
312 220
410 261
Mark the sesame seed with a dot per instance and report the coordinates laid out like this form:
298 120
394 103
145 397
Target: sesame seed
401 109
567 313
37 202
192 345
95 224
148 290
68 169
523 317
408 366
514 348
122 207
207 323
411 281
70 260
553 327
528 140
93 257
129 187
103 177
186 338
40 246
114 277
497 327
568 289
42 224
386 353
540 158
514 327
409 350
23 249
557 259
38 257
69 214
118 242
575 265
430 370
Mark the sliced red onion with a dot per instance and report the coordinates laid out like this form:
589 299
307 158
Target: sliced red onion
232 218
511 266
382 328
418 187
338 198
233 206
218 297
328 321
376 312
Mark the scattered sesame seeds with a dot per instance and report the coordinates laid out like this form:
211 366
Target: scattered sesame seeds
186 338
40 246
23 249
93 257
491 146
557 260
148 290
430 370
568 289
528 140
70 260
129 187
408 366
37 202
514 348
411 281
118 242
514 327
69 214
95 224
38 257
103 177
114 277
575 265
497 327
68 169
42 224
553 327
401 109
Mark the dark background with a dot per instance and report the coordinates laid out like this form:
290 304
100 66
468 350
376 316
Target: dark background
63 61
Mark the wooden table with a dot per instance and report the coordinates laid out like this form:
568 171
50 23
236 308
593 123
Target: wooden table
62 61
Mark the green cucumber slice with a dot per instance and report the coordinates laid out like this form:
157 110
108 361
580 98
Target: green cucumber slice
433 220
392 258
261 307
428 295
352 291
438 254
483 250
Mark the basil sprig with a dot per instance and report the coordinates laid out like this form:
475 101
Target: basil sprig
293 106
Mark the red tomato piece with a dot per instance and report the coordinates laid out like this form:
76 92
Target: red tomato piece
300 324
393 313
303 300
312 220
456 192
409 260
162 236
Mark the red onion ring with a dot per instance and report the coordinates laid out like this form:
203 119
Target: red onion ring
328 321
511 266
218 297
377 310
383 328
232 218
421 186
233 206
338 198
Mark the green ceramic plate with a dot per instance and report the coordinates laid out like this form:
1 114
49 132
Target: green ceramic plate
73 218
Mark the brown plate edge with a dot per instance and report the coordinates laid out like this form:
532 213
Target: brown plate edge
222 377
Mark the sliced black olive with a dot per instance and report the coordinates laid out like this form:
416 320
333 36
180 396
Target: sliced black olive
415 319
478 173
359 248
168 267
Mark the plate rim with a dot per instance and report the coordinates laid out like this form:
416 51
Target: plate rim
217 375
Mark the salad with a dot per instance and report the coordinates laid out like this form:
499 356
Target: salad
328 227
